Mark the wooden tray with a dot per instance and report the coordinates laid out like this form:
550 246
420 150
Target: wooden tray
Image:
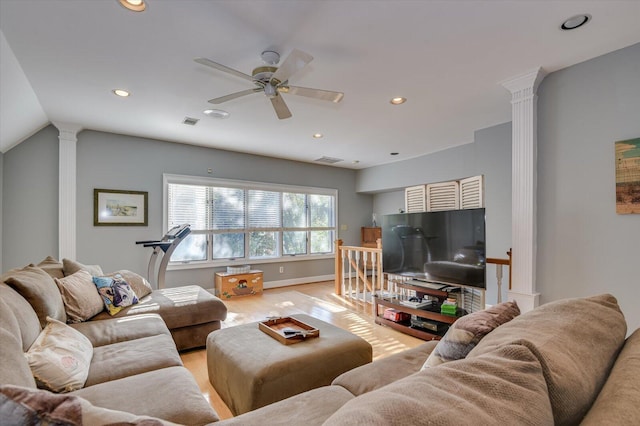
275 328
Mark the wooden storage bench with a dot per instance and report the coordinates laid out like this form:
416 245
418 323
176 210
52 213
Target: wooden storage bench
230 285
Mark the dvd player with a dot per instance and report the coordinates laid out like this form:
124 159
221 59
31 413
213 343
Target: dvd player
427 324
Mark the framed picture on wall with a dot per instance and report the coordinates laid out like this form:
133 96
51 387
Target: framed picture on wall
628 176
112 207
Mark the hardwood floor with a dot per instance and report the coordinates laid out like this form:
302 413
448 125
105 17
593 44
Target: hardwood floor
315 299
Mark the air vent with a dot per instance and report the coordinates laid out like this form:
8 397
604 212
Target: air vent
190 121
328 160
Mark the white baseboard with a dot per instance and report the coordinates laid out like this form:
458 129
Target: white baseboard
296 281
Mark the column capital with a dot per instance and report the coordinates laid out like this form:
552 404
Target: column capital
529 80
68 131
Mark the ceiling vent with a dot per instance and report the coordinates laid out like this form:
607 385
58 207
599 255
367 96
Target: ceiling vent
328 160
190 121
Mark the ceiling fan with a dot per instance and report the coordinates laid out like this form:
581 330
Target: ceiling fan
273 80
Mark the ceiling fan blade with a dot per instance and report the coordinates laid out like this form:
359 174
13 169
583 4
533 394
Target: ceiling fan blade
296 60
325 95
282 111
226 98
220 67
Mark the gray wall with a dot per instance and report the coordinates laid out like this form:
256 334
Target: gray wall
113 161
584 247
1 190
30 200
105 160
488 155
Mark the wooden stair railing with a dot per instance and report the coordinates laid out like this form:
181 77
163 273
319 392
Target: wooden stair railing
499 264
359 275
358 271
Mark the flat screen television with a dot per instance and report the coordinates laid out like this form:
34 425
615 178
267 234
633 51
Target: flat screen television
445 247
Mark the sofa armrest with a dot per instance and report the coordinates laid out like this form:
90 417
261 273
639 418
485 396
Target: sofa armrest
387 370
619 400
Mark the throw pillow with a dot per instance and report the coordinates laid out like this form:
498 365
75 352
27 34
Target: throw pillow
52 267
138 283
70 267
116 293
26 406
81 299
467 331
60 357
41 292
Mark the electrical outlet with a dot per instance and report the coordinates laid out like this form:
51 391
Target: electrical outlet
281 269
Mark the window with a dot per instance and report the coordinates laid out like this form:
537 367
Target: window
237 221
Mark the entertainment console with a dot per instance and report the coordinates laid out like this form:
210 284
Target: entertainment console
433 324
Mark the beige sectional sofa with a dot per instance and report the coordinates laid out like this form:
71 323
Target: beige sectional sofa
115 369
190 312
564 363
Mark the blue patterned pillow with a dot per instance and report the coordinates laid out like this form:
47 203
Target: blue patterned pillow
116 293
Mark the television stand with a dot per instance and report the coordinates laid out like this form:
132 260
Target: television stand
440 321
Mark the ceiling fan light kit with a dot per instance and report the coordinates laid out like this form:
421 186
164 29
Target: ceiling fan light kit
134 5
272 80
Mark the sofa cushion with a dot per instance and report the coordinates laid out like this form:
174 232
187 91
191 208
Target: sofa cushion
383 371
27 321
114 330
576 341
41 292
123 359
170 393
467 331
504 387
178 307
52 267
619 401
116 293
70 267
138 283
80 296
60 357
312 408
22 406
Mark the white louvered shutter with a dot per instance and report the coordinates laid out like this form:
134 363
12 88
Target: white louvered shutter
443 196
472 192
415 199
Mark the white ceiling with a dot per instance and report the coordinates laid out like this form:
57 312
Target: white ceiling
60 59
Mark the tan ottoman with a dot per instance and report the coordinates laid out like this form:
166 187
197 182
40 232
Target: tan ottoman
249 369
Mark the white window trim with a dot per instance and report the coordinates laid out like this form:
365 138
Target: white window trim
244 184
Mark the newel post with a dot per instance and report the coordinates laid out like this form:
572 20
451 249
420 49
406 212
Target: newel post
338 277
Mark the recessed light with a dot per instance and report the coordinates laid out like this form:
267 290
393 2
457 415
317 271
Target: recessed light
575 22
398 101
134 5
216 113
121 92
318 135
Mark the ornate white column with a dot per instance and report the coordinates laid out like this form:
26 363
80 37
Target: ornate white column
67 189
524 187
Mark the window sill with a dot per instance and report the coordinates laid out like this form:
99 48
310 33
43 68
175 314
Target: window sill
178 266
